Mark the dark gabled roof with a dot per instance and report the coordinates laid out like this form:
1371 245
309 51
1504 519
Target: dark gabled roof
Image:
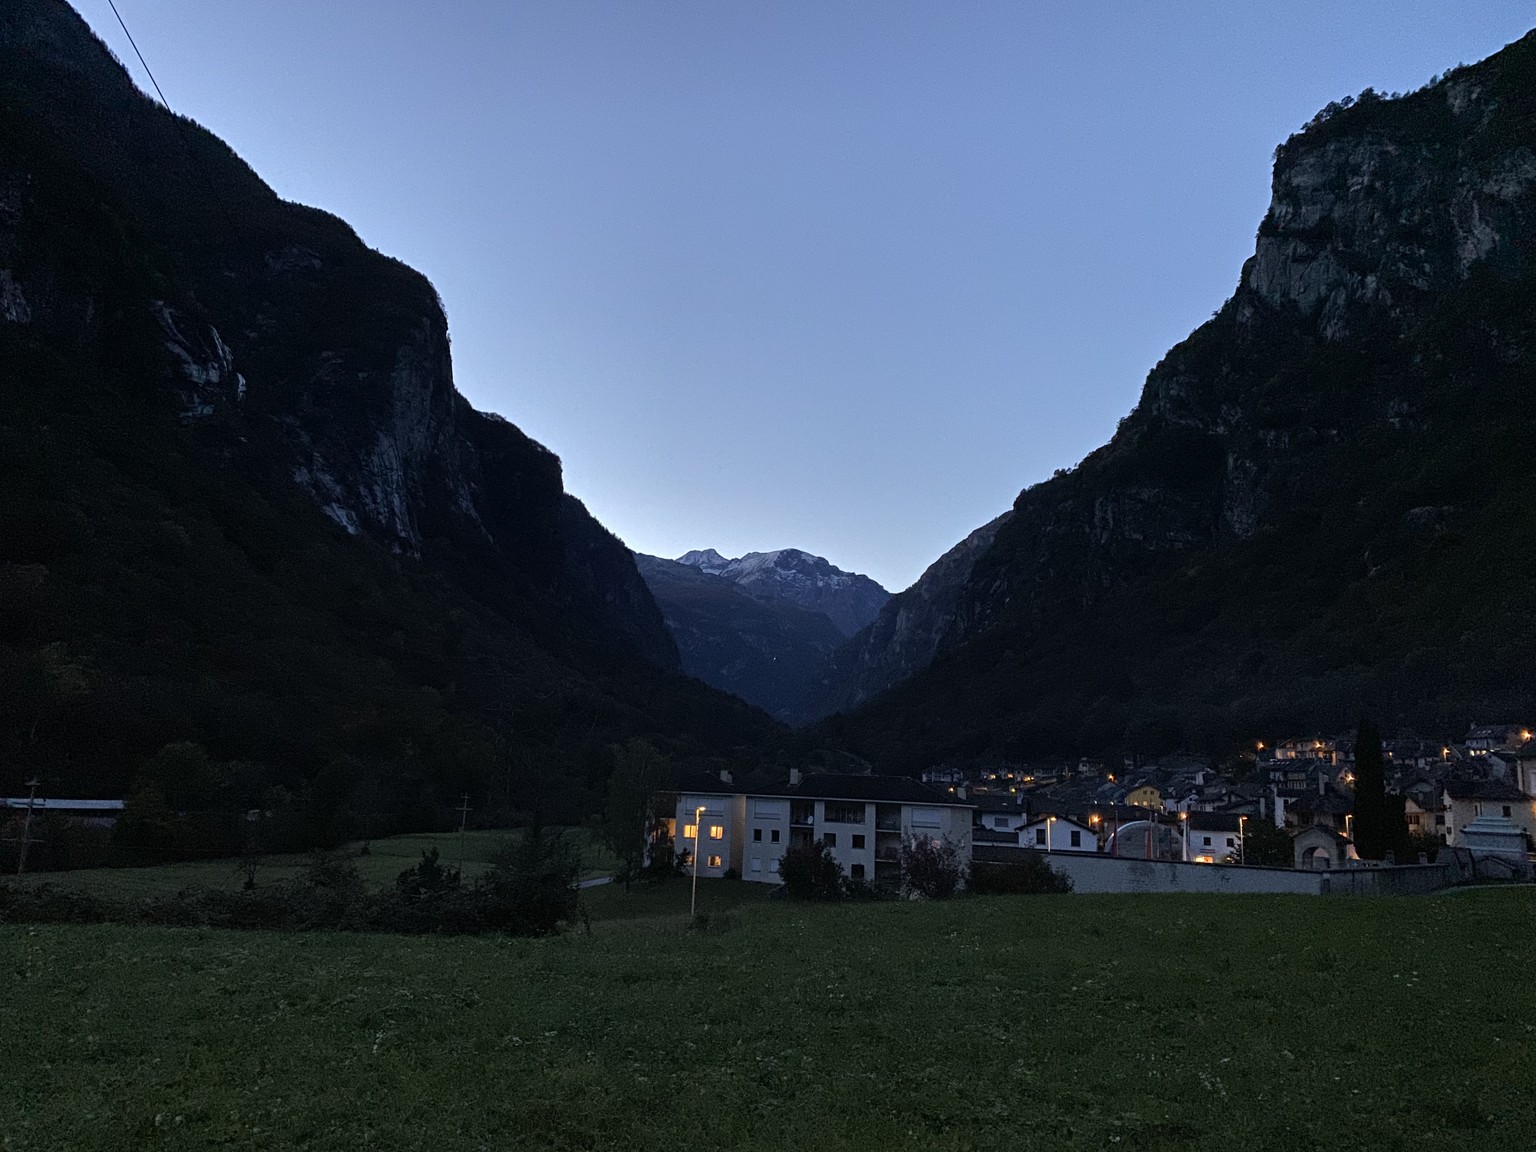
702 783
995 802
1319 828
1483 790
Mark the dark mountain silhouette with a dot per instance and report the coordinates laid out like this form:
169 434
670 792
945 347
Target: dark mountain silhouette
243 505
1321 504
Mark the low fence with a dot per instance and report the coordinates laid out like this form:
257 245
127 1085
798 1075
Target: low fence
1093 873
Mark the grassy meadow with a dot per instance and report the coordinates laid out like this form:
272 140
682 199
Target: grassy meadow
1271 1024
383 862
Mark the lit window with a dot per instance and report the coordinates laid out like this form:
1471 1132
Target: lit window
714 861
858 841
690 831
757 835
717 831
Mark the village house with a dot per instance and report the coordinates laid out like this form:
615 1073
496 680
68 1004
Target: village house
863 820
1058 834
1212 837
1466 800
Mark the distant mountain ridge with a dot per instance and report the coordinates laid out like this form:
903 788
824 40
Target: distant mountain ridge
850 600
763 625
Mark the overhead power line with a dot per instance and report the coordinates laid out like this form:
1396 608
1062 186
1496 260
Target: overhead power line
113 5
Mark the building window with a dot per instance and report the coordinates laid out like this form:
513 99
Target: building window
1077 839
757 835
773 835
1439 819
757 863
1231 843
829 839
1207 841
714 861
999 821
858 841
717 831
773 865
844 813
690 831
1039 835
856 872
1506 811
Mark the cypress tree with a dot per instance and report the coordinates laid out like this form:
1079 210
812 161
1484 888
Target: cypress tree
1371 835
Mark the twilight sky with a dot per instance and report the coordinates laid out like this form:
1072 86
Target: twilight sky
835 274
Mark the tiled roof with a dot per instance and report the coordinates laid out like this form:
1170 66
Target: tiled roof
1483 790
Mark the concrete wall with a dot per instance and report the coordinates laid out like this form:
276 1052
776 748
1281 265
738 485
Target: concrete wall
1109 874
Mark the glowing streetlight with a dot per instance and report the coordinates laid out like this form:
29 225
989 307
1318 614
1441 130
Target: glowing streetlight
1242 843
1049 820
1184 820
693 902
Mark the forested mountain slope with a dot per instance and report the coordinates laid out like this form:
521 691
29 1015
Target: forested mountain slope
242 503
1323 501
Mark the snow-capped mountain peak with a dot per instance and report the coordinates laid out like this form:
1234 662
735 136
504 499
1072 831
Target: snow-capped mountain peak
849 600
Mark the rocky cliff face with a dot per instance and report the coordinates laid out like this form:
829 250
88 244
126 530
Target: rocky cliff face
790 576
1370 376
301 331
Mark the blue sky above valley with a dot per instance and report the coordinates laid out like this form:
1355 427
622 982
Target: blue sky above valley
841 277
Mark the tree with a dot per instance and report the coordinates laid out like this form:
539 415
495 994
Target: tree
931 868
1266 845
630 823
811 872
1372 838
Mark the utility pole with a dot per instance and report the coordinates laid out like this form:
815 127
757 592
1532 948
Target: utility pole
463 823
26 827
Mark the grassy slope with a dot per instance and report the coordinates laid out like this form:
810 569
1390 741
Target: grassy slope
1025 1023
385 860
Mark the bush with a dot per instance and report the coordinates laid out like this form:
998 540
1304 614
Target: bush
1031 876
811 872
932 869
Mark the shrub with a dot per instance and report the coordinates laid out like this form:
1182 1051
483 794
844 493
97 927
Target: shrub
811 872
1031 876
932 869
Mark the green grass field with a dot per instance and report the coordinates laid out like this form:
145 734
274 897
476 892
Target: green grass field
1270 1024
385 860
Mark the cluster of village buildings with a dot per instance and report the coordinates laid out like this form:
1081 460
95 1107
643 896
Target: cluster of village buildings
1478 794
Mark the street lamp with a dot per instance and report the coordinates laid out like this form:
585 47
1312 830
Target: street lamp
693 903
1049 820
1242 843
1184 820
